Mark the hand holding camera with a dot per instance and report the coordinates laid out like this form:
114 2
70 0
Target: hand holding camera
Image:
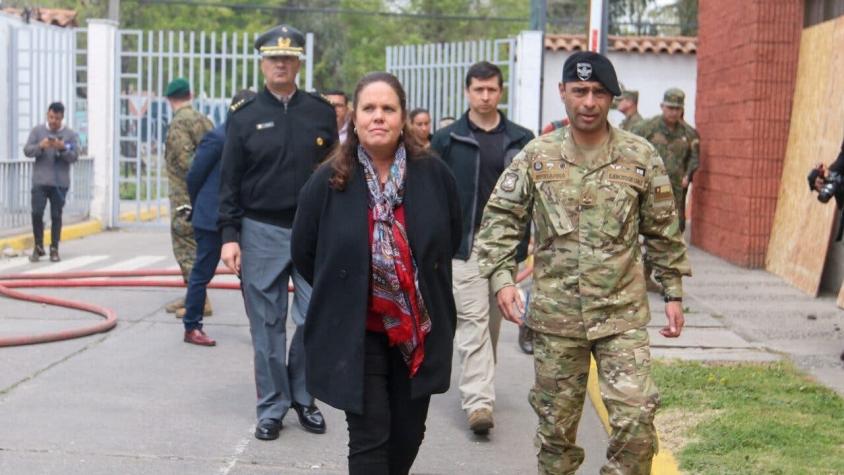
826 184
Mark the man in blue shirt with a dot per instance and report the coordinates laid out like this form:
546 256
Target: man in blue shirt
204 190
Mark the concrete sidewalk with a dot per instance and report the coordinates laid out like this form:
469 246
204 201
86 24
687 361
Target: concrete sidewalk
738 314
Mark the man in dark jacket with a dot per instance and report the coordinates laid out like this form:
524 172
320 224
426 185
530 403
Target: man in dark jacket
478 147
273 144
203 182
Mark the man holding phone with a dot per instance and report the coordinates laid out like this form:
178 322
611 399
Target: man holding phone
54 148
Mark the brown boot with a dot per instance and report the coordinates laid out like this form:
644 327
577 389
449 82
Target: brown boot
206 311
174 305
480 421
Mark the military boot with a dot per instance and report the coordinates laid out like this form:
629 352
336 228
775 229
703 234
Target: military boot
480 421
206 310
174 305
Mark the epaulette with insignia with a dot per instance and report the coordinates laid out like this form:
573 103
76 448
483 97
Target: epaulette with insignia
322 99
241 103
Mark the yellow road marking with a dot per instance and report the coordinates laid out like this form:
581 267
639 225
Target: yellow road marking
664 462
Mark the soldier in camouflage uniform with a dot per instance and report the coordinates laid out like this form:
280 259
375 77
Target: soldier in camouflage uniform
677 143
591 190
186 130
628 105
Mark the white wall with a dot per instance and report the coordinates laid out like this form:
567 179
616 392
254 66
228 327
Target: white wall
649 73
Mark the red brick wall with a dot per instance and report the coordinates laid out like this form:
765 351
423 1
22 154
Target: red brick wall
747 65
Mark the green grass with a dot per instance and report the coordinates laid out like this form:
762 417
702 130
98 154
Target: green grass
753 419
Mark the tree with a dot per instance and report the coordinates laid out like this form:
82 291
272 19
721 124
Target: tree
627 16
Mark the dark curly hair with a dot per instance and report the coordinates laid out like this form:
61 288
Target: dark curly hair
343 159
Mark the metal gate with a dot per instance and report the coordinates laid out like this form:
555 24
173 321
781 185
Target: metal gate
433 74
40 65
216 65
41 62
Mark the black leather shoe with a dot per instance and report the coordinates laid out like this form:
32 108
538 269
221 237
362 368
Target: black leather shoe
310 418
54 254
37 253
267 429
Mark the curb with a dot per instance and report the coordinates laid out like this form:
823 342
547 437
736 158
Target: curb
664 462
21 242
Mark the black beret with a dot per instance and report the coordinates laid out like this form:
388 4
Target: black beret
282 40
591 66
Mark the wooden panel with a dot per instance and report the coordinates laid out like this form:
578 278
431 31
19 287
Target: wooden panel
802 227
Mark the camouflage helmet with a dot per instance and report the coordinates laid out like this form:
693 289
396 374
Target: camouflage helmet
674 97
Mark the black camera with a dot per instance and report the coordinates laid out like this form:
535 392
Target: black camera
833 184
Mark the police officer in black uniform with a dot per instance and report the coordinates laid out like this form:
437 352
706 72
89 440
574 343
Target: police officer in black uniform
273 144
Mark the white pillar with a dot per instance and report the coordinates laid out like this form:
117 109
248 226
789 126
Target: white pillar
102 97
529 80
6 85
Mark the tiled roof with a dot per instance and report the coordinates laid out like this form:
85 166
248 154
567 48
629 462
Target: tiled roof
53 16
629 44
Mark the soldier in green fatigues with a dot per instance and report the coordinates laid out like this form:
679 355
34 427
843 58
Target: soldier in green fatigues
678 144
186 130
628 104
591 190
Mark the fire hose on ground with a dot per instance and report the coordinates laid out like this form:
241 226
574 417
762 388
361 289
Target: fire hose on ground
94 279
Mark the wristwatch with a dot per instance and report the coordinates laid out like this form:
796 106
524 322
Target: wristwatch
668 298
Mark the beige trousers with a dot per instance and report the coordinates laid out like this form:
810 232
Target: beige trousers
478 324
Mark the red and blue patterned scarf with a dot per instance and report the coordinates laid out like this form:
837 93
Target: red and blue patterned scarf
395 288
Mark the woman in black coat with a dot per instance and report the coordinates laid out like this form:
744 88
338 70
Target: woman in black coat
374 234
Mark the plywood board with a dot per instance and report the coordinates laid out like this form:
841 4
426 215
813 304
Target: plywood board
802 227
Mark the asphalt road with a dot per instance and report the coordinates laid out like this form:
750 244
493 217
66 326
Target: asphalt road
137 400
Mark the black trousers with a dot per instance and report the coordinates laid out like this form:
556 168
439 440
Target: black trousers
56 195
385 439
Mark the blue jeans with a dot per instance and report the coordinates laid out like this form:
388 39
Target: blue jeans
208 246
